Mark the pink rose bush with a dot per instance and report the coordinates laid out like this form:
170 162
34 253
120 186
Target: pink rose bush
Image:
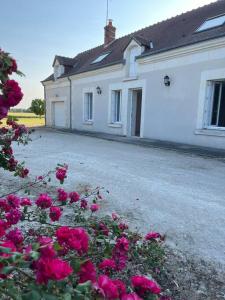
10 96
54 246
89 257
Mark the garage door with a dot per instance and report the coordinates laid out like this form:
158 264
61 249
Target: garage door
59 114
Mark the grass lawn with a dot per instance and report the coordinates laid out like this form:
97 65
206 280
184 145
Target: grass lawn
28 119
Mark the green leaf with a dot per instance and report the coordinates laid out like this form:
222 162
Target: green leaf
35 255
75 263
7 270
67 296
49 297
5 250
84 287
34 295
57 247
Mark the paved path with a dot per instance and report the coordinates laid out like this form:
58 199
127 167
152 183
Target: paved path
180 194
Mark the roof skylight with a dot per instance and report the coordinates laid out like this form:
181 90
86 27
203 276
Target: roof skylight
100 58
212 23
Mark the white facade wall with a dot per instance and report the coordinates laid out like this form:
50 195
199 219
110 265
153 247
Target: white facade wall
173 113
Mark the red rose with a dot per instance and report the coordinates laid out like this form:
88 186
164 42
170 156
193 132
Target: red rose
3 111
12 92
87 272
55 213
73 239
107 264
25 202
62 195
132 296
152 236
13 216
51 269
13 201
143 285
122 244
120 286
13 67
61 173
74 197
83 204
107 288
15 236
94 207
44 201
46 247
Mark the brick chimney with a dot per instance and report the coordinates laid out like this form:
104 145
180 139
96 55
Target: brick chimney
110 33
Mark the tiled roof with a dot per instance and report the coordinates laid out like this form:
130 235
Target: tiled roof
169 34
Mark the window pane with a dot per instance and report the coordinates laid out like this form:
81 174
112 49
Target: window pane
211 23
90 106
100 58
215 104
118 107
221 122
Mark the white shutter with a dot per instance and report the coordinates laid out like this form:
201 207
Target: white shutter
208 104
86 107
133 64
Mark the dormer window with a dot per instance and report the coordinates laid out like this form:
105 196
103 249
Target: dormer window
212 23
100 58
56 71
134 52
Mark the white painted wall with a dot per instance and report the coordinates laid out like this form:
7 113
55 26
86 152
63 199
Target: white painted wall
168 113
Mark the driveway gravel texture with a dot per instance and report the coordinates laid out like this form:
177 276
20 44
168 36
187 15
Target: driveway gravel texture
181 195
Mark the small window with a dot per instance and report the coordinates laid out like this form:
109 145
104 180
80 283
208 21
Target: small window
217 107
88 107
212 23
116 107
100 58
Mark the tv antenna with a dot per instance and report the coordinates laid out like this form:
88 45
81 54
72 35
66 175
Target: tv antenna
107 11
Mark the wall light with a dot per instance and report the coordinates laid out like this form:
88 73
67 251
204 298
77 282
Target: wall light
98 89
167 80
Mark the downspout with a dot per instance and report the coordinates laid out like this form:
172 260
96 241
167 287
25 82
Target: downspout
70 102
45 105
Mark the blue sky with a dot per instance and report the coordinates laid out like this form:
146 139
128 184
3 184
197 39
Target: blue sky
33 31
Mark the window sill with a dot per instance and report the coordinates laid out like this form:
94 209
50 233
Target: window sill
211 132
88 122
115 125
130 78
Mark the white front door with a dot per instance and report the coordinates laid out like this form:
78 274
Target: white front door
59 114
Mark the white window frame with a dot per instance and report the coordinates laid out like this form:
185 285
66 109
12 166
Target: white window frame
114 117
204 100
209 104
87 117
100 58
212 23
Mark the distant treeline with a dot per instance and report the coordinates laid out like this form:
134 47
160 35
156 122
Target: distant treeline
24 110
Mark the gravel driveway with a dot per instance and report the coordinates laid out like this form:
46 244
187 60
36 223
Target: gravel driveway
181 195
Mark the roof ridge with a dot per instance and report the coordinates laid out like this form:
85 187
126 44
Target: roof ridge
88 50
63 56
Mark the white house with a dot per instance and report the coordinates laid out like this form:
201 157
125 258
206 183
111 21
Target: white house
164 82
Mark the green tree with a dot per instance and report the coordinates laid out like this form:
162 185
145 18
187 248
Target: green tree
38 107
